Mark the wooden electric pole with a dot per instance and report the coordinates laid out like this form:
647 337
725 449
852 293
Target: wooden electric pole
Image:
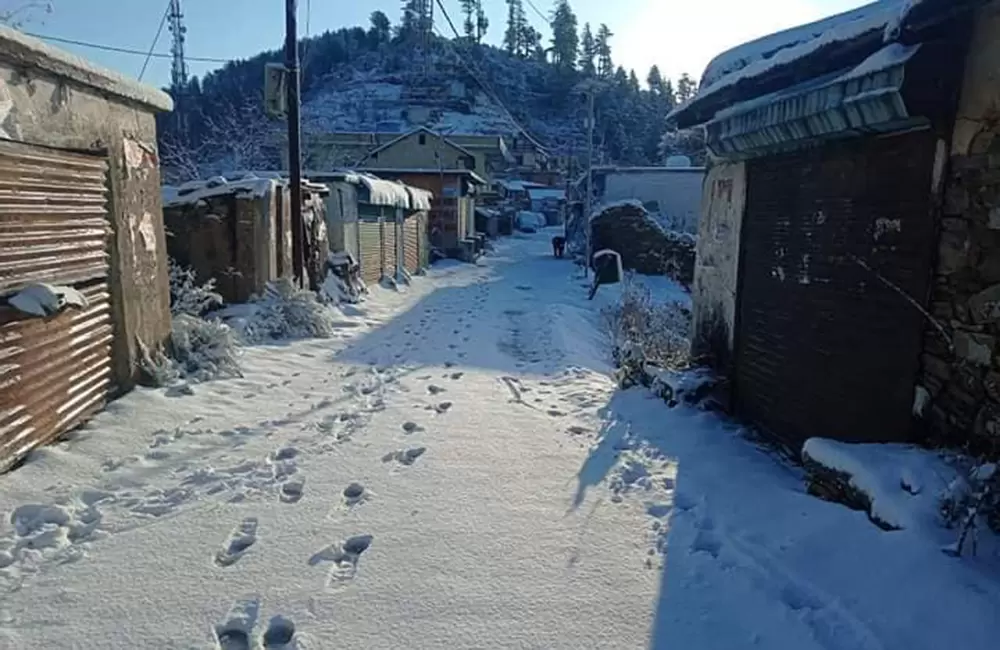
294 141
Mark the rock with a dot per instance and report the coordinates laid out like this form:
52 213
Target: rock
936 367
974 348
956 199
832 485
954 224
985 305
992 385
955 252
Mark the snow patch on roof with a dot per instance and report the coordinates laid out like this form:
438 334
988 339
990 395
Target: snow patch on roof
193 191
758 57
546 193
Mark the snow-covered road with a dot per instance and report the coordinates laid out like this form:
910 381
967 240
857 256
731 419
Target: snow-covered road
457 470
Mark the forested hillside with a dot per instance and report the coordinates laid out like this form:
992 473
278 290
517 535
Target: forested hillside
391 76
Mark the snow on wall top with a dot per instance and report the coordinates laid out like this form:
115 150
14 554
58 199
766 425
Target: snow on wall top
29 51
758 57
193 191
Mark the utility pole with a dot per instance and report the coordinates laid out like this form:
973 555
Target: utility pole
590 176
294 140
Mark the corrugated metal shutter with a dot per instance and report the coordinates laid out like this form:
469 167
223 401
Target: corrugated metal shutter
389 248
823 347
370 238
411 243
425 242
54 372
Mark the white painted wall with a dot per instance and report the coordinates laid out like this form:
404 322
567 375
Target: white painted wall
716 268
677 192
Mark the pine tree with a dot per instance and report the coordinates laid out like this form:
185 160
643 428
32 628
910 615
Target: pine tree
531 43
655 80
469 9
588 50
381 30
686 88
482 22
603 47
513 37
565 40
410 21
633 82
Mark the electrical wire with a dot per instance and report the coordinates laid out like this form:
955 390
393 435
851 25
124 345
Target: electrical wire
540 14
122 50
152 46
483 84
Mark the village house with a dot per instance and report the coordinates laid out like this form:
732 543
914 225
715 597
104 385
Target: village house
80 214
451 222
848 263
381 224
422 148
239 232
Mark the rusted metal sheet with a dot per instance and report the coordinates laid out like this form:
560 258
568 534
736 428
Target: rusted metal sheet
823 347
370 236
54 371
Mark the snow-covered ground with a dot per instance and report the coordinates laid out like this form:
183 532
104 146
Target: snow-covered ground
456 470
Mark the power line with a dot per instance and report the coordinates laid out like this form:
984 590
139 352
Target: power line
152 46
540 14
122 50
483 84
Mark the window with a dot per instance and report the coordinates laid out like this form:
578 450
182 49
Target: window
423 138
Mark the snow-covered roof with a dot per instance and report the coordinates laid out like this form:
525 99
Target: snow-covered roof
193 191
30 52
517 185
868 27
546 193
421 129
420 199
381 191
473 176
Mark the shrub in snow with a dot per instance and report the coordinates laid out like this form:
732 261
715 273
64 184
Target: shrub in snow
186 295
968 502
198 350
285 311
644 332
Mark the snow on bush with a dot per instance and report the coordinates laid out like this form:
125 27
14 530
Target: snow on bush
186 295
285 311
969 502
643 331
198 350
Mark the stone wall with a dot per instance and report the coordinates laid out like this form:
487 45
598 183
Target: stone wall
56 100
959 391
628 229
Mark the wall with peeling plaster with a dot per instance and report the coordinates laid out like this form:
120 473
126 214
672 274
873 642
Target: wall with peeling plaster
79 109
962 375
717 264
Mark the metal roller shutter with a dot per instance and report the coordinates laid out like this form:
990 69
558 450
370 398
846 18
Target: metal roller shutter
370 238
411 243
54 371
389 248
823 346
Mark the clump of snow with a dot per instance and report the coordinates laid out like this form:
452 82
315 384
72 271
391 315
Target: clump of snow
186 295
40 299
890 476
284 312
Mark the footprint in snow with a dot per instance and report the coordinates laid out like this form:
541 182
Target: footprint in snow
279 634
443 407
344 556
457 375
291 490
235 633
354 494
240 540
435 390
411 427
404 456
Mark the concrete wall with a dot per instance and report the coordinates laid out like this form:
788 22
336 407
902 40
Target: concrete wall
717 263
677 193
958 395
55 103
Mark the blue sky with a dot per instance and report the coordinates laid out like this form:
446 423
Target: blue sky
678 35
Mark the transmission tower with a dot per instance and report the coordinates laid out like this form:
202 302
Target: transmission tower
178 71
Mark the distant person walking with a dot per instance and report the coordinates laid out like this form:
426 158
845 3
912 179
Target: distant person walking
558 246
